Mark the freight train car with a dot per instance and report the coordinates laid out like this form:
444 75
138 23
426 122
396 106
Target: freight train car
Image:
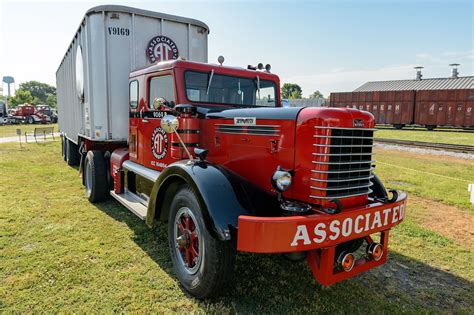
444 108
446 102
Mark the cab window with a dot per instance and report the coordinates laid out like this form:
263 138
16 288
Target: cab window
163 87
134 94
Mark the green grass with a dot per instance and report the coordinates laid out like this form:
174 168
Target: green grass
59 253
10 130
465 138
434 177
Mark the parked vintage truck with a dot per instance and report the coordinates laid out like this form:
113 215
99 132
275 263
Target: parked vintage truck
209 150
27 113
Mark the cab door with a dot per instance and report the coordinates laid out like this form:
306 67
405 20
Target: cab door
155 144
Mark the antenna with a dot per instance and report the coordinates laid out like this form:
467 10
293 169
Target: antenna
418 72
455 72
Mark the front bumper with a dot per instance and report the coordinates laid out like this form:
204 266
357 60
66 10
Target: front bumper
319 234
315 231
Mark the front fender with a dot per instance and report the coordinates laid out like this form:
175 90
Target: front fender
215 189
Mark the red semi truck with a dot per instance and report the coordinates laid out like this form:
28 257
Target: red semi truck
209 150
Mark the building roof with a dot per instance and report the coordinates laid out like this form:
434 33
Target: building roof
423 84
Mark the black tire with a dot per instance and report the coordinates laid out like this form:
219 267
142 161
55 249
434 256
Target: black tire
95 177
215 266
31 120
63 148
72 153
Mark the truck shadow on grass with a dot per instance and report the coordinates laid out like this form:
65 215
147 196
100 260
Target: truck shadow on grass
272 283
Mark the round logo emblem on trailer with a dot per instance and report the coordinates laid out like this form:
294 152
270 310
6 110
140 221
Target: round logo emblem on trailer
159 143
161 48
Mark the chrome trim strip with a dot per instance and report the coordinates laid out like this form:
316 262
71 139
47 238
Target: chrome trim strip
141 170
341 196
249 134
341 154
232 125
345 146
341 188
342 163
340 128
253 129
347 171
342 137
341 180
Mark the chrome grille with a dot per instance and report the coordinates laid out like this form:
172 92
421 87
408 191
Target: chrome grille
342 162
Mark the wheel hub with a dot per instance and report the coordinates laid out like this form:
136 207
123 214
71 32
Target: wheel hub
187 240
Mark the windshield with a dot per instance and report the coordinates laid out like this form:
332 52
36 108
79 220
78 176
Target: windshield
214 88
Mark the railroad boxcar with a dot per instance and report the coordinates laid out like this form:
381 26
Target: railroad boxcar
444 108
438 102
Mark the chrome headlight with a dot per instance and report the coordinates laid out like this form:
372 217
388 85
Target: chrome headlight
281 180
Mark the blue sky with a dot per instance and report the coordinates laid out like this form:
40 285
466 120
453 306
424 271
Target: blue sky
325 45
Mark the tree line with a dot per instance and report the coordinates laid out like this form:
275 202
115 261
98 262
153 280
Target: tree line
294 91
35 93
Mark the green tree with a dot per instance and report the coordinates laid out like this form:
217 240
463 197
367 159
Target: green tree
291 90
51 100
21 97
38 90
316 94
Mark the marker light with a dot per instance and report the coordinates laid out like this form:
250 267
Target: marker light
268 67
260 66
375 251
346 261
281 180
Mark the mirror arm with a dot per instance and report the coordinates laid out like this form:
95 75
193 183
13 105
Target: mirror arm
182 143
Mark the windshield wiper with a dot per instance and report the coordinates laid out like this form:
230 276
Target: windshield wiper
209 83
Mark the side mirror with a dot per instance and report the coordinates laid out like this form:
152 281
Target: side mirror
160 101
169 123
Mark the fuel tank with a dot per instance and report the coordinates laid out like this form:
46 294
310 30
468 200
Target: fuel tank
319 145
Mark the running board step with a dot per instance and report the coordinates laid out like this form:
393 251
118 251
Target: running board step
132 203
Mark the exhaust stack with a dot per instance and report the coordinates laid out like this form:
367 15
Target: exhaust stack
455 72
418 72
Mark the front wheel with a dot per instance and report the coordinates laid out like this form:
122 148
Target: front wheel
31 120
202 263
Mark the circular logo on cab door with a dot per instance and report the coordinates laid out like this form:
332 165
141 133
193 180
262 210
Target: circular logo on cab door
161 48
159 143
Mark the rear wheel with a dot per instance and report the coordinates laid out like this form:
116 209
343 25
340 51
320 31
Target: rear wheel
202 263
72 153
95 177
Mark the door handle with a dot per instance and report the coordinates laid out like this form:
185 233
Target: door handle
145 121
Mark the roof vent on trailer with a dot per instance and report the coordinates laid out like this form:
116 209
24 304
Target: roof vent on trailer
455 72
418 72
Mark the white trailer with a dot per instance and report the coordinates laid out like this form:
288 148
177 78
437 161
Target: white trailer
112 41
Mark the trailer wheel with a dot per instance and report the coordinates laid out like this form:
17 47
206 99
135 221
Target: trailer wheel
202 263
95 177
72 153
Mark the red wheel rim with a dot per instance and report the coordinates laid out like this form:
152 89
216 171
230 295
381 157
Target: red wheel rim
187 238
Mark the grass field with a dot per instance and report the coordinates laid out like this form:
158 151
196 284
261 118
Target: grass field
59 253
10 130
465 138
